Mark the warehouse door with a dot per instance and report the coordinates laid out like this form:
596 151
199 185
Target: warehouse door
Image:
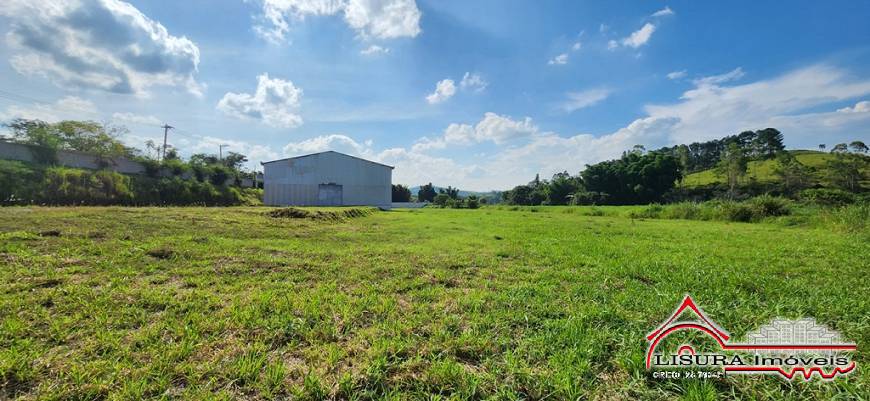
329 195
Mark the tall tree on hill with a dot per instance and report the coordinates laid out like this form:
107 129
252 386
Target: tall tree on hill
426 193
840 148
858 147
733 166
845 170
767 143
793 174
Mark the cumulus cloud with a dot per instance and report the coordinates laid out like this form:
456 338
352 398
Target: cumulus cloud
492 127
106 45
337 142
380 19
473 82
561 59
663 12
583 99
860 107
66 108
444 89
274 103
677 74
374 50
639 37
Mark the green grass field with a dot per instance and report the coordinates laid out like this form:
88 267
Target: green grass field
541 303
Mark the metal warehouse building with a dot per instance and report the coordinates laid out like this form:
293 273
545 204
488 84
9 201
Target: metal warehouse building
327 179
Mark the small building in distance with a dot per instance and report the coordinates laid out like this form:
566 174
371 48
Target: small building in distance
327 179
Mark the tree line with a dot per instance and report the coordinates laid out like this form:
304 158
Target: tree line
641 177
169 180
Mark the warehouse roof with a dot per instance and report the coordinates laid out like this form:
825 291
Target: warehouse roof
328 151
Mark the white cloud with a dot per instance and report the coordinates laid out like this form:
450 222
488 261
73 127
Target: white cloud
274 103
579 100
603 28
709 110
444 89
612 45
66 108
132 118
576 46
374 50
106 45
677 74
381 19
473 82
639 37
732 75
860 107
561 59
492 127
336 142
663 12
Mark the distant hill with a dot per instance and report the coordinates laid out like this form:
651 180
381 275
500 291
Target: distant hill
762 170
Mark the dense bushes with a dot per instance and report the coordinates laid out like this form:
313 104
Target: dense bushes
23 183
754 209
828 197
67 186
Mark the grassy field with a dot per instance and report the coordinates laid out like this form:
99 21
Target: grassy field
763 170
543 303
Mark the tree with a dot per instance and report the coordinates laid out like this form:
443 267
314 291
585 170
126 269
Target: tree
632 179
426 193
234 160
453 193
39 134
441 199
858 147
840 148
791 172
767 143
844 171
401 193
561 187
733 166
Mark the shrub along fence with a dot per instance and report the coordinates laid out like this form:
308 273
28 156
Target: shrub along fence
25 183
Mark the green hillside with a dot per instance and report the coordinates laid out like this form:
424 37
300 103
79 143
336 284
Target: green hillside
762 171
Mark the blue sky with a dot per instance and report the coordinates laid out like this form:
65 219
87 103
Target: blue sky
481 95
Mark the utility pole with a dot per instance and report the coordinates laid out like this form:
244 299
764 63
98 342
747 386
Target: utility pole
221 151
166 128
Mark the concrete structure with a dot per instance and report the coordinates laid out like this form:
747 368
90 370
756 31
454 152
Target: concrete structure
327 179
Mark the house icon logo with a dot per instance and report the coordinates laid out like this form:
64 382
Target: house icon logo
786 348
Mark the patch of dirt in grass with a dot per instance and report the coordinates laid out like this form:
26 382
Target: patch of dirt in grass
295 213
47 283
161 253
49 233
96 235
642 278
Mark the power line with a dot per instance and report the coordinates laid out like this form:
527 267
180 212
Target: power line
166 128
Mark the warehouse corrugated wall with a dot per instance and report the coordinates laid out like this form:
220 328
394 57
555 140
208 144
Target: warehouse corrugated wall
303 181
